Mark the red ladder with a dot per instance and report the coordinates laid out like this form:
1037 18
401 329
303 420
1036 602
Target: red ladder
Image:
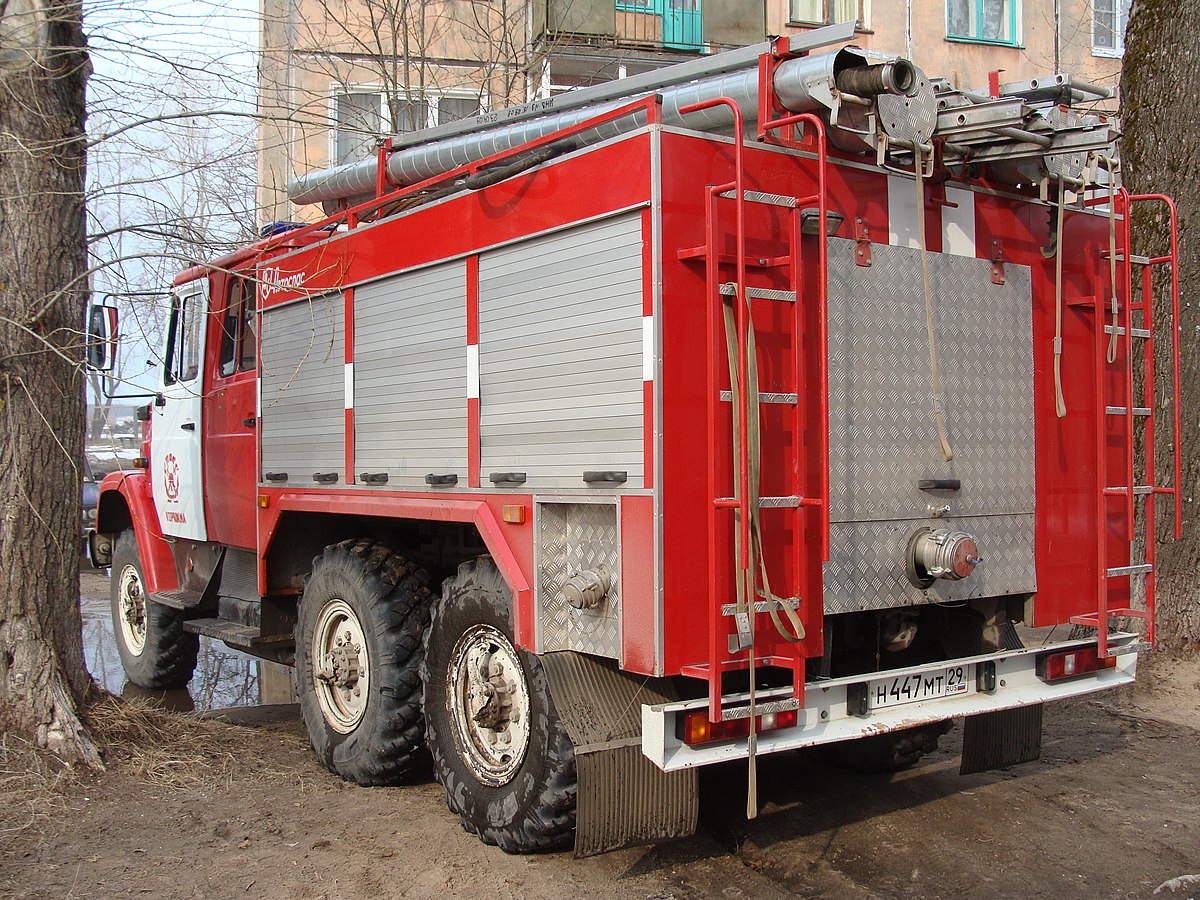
720 611
1131 491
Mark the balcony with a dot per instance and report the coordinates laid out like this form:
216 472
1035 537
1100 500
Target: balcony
687 26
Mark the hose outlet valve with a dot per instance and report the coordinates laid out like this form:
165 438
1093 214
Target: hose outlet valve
941 553
587 589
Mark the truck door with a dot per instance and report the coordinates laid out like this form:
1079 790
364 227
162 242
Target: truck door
176 427
229 427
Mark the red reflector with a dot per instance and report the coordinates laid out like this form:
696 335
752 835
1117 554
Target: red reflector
1069 663
698 730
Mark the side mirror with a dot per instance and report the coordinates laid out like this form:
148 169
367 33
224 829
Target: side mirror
102 338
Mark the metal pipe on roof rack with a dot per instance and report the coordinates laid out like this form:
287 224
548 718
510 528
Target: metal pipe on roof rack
802 84
1020 134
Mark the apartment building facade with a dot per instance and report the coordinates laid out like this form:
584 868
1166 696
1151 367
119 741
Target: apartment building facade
964 40
335 75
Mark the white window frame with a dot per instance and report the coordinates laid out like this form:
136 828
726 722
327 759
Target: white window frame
1121 9
337 89
863 24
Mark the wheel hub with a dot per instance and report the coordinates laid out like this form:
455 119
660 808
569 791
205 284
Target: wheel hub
132 610
489 703
340 666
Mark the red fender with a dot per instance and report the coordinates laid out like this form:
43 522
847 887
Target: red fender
127 502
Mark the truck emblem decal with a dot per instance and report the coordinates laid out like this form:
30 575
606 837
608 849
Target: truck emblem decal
171 477
273 280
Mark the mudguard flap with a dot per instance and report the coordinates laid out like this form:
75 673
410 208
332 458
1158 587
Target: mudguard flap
139 513
996 740
624 799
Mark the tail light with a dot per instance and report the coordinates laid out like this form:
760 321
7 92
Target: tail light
1069 663
695 728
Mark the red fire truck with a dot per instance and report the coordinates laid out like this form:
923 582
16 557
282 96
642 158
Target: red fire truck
783 398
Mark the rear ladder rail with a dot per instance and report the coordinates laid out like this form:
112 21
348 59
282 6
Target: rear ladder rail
1131 491
719 612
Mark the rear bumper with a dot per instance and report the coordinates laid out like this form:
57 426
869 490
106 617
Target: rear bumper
826 718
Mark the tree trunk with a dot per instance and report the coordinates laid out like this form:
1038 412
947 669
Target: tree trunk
43 293
1161 154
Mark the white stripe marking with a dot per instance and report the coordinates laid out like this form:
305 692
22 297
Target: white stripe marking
958 223
349 385
902 212
647 348
472 371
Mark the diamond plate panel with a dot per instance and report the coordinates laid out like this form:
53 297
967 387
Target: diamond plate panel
866 563
572 537
882 434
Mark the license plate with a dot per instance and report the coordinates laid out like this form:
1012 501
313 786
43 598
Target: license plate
919 686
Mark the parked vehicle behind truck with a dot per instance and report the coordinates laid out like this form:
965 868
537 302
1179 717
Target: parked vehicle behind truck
768 401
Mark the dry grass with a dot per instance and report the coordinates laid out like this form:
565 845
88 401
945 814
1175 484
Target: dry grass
172 752
33 790
166 749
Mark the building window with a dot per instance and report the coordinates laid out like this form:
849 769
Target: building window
358 120
1109 18
361 117
986 21
830 12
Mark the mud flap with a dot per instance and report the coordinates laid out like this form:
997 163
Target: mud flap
624 799
1004 738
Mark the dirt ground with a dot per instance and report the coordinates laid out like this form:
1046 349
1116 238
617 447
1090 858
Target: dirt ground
193 807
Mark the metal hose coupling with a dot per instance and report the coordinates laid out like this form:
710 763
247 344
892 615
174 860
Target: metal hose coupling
941 553
899 76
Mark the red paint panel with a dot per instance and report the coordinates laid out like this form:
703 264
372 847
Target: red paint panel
648 433
348 341
793 538
473 299
1067 475
510 545
228 443
545 198
134 492
473 451
638 600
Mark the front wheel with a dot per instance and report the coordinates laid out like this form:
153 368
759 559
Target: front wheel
155 651
499 748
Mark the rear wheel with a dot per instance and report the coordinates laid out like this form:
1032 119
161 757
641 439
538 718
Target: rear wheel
358 654
155 651
499 748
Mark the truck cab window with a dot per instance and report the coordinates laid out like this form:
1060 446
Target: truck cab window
237 328
182 361
249 346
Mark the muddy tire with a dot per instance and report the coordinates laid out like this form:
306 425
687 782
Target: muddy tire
499 748
883 753
155 651
358 654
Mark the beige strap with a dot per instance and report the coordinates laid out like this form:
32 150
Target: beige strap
793 630
1060 403
1112 261
939 416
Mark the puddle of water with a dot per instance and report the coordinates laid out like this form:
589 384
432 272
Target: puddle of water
224 677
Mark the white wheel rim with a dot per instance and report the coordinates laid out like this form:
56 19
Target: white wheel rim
132 613
488 701
340 666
